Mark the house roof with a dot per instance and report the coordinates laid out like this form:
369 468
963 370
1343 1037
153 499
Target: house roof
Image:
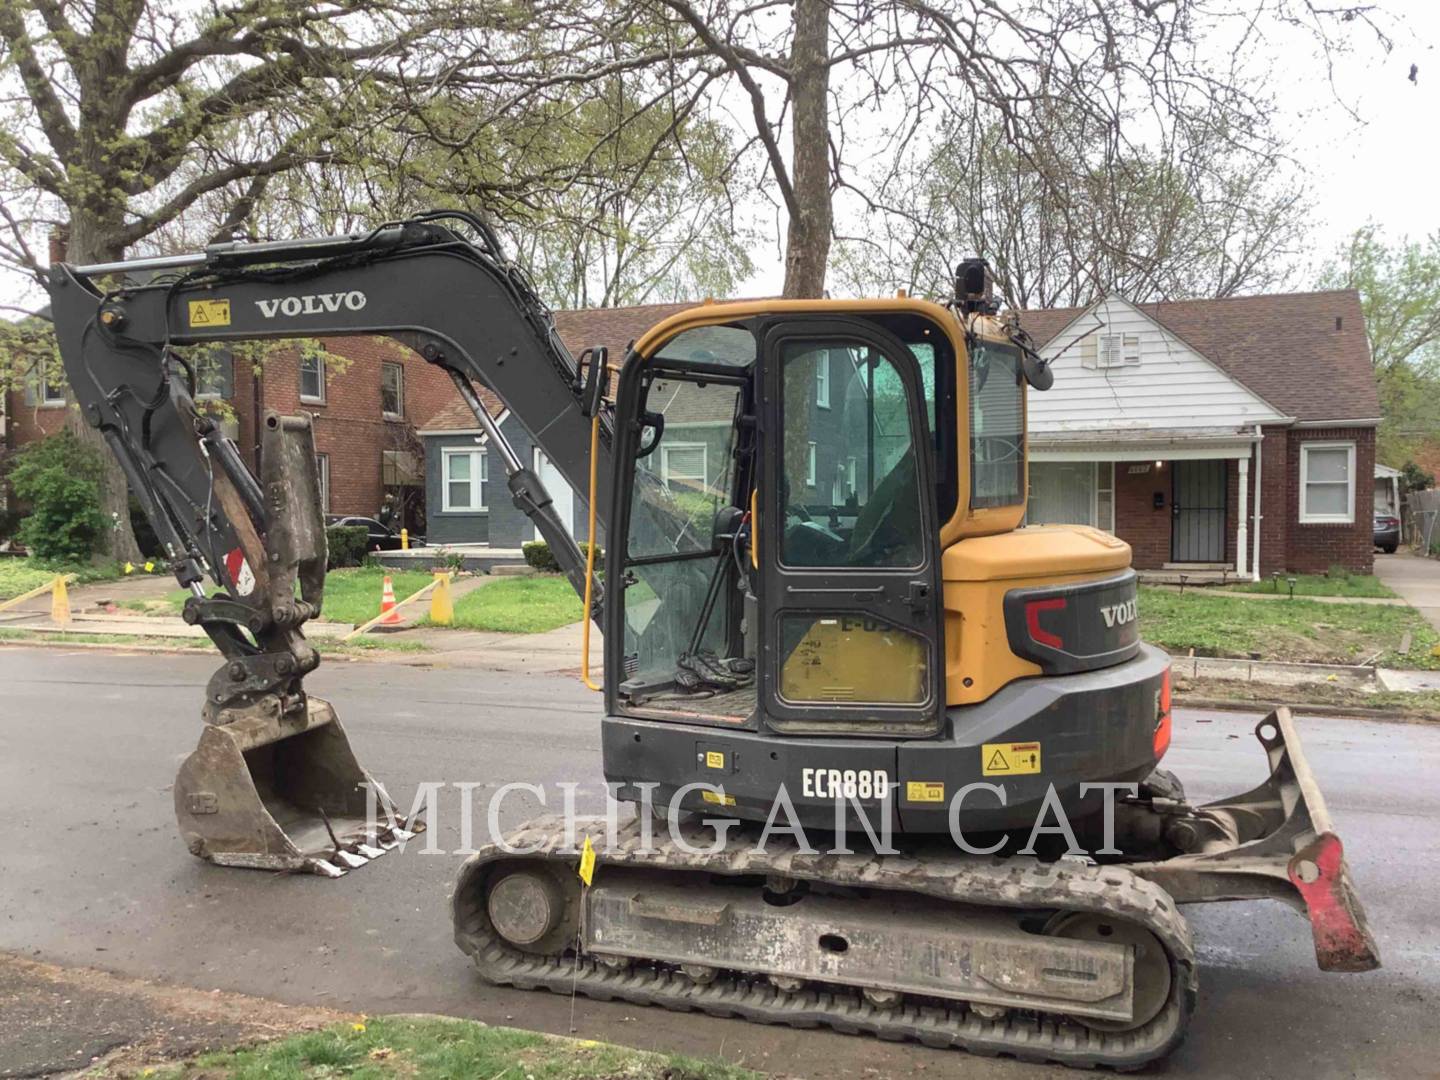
615 328
1305 353
456 416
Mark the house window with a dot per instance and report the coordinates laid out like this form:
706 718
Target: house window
1327 483
212 374
1072 493
322 466
466 473
822 382
392 390
1110 351
683 464
45 387
312 378
810 465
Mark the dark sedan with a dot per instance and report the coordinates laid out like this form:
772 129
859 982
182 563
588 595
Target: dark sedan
380 537
1387 531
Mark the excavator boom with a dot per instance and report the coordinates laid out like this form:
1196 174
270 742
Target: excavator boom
274 782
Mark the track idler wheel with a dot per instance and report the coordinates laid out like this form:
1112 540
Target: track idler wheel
1152 965
531 910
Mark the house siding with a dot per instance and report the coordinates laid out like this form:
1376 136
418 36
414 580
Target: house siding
1142 396
502 524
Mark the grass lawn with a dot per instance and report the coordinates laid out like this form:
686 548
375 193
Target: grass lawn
519 605
1337 582
351 595
21 575
435 1048
1214 624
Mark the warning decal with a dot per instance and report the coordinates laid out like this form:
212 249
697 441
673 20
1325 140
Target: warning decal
1010 758
714 759
209 313
719 798
241 576
924 791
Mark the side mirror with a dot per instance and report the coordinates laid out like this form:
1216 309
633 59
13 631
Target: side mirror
597 379
1038 372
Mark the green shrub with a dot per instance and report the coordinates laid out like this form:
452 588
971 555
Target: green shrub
538 554
59 480
347 544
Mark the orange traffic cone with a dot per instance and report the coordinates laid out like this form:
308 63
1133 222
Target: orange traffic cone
388 607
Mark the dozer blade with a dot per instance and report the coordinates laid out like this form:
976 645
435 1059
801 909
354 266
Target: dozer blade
284 792
1276 841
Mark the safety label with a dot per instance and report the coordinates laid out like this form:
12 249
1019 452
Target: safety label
1010 758
714 759
719 798
924 791
209 313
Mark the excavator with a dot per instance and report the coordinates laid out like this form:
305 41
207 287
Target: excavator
822 617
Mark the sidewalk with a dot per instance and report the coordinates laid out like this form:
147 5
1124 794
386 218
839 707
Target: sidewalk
1416 579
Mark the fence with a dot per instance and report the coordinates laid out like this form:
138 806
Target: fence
1424 513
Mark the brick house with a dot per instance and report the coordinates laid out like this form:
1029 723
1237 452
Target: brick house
1234 433
365 405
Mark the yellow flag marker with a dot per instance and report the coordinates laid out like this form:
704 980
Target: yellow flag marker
149 567
587 862
129 568
59 603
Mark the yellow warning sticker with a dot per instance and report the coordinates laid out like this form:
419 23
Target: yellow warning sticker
1010 758
719 798
714 759
587 862
209 313
924 791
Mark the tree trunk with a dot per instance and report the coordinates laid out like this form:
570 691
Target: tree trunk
89 243
807 243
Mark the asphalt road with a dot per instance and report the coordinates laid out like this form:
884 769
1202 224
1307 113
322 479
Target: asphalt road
92 872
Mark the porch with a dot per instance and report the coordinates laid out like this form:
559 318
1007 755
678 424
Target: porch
1182 499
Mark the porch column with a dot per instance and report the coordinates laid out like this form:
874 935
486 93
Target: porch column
1242 531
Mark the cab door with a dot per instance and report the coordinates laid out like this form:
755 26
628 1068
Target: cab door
850 601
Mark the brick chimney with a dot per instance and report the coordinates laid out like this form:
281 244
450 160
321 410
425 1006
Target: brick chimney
59 242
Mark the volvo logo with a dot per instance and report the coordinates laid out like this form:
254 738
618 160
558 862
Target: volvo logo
1119 614
313 304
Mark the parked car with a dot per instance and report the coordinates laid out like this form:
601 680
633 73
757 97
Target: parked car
380 536
1387 531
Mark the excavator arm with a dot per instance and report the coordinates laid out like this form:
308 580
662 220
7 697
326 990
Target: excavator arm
438 283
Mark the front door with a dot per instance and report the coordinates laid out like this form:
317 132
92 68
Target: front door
559 488
851 597
1197 512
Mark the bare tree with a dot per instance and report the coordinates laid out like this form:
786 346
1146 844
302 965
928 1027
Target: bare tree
828 90
1060 229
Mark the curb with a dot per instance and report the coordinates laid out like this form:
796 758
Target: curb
1316 709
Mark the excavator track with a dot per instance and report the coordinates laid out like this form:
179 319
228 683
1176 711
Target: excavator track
1014 885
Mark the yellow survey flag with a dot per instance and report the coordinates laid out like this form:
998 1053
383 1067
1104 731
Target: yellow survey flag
149 567
129 567
587 862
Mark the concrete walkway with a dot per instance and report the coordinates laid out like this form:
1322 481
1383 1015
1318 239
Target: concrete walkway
1415 579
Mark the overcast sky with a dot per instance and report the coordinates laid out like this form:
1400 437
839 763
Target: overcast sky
1379 164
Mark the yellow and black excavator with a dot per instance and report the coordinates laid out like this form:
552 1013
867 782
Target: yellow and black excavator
819 610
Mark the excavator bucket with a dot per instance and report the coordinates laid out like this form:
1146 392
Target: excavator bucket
274 783
283 793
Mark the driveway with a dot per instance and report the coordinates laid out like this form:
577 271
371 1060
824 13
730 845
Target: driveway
1415 579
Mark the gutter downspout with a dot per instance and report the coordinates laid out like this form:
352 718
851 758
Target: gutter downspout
1259 475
